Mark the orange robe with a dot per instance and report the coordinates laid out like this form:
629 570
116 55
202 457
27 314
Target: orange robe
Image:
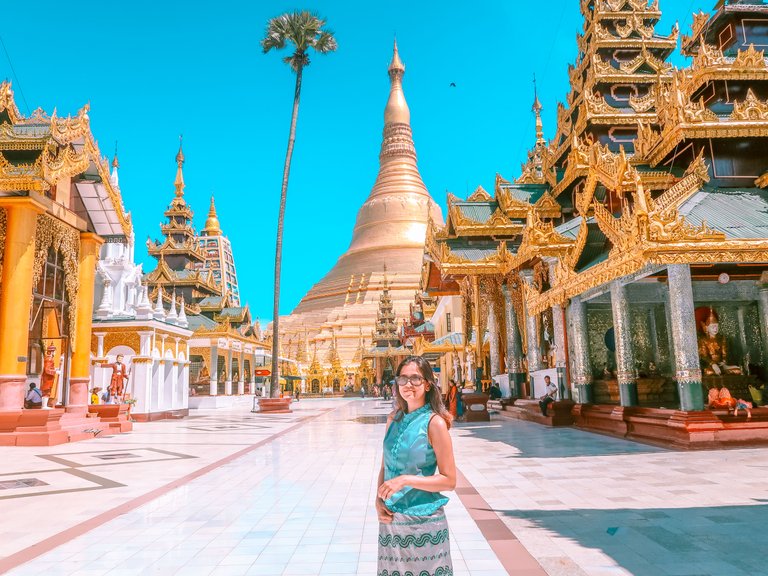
453 404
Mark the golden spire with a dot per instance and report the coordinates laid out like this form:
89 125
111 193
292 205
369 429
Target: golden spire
179 182
537 107
397 111
212 226
115 163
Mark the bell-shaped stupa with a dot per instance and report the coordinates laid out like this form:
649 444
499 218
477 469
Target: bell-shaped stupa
387 243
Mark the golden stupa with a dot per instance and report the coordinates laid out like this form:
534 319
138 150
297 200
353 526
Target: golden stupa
387 241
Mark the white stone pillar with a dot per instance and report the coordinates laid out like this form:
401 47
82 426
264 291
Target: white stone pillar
213 370
228 373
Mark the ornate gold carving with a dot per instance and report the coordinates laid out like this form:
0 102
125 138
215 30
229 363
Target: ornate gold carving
695 176
480 195
762 182
3 227
53 233
547 207
750 109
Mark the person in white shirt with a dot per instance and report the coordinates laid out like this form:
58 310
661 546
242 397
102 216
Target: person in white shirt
34 398
550 395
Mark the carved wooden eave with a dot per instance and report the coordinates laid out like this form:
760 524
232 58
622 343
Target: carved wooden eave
22 177
512 206
710 64
480 195
497 225
687 120
455 265
547 207
8 102
698 26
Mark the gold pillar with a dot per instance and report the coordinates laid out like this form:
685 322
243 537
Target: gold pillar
16 297
81 357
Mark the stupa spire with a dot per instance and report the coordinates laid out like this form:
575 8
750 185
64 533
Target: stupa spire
397 111
179 182
212 225
537 108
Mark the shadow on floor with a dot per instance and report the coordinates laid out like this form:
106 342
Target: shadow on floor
715 541
537 441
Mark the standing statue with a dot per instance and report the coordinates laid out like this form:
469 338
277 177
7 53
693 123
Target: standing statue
712 349
470 368
456 367
48 376
118 379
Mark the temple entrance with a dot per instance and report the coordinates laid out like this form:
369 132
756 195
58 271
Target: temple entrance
336 385
48 345
315 386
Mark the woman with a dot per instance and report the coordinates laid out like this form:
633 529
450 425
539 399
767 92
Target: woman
452 400
418 463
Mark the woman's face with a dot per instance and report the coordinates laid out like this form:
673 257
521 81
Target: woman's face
411 392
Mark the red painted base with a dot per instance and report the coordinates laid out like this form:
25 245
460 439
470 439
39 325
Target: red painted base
275 405
115 415
40 427
674 428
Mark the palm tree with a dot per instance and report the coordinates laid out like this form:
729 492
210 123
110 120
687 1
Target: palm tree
303 30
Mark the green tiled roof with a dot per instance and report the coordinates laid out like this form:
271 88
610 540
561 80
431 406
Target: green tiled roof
199 321
454 338
477 211
738 213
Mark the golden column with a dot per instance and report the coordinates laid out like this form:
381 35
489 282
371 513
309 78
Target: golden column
16 297
81 358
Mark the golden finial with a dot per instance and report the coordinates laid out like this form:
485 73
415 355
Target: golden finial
212 225
179 182
537 108
397 111
396 65
115 163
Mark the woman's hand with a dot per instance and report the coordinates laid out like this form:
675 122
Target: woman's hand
384 513
390 487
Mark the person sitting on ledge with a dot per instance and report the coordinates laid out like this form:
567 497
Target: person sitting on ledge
494 391
550 395
743 405
721 398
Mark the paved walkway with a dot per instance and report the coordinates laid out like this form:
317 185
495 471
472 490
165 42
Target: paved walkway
230 492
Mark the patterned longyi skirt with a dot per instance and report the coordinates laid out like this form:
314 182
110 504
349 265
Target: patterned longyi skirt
415 546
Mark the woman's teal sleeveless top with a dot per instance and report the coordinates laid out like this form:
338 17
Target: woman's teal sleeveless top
407 451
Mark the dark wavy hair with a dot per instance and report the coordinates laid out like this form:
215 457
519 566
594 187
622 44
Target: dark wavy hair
433 396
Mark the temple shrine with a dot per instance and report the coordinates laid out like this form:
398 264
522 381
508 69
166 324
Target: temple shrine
390 230
628 261
196 277
58 207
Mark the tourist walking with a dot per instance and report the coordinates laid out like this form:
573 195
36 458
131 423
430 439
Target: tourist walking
418 463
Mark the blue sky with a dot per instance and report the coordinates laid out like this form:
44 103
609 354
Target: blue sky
157 69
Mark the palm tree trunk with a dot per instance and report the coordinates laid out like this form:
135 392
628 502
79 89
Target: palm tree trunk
274 389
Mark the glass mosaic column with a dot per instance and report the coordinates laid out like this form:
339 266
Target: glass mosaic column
514 345
581 369
683 328
625 356
533 353
493 335
558 328
762 310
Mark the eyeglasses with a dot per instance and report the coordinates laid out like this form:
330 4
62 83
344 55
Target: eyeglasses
414 381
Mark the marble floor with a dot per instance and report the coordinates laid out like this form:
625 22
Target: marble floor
231 492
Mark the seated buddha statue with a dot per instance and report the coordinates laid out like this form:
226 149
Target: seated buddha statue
712 349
